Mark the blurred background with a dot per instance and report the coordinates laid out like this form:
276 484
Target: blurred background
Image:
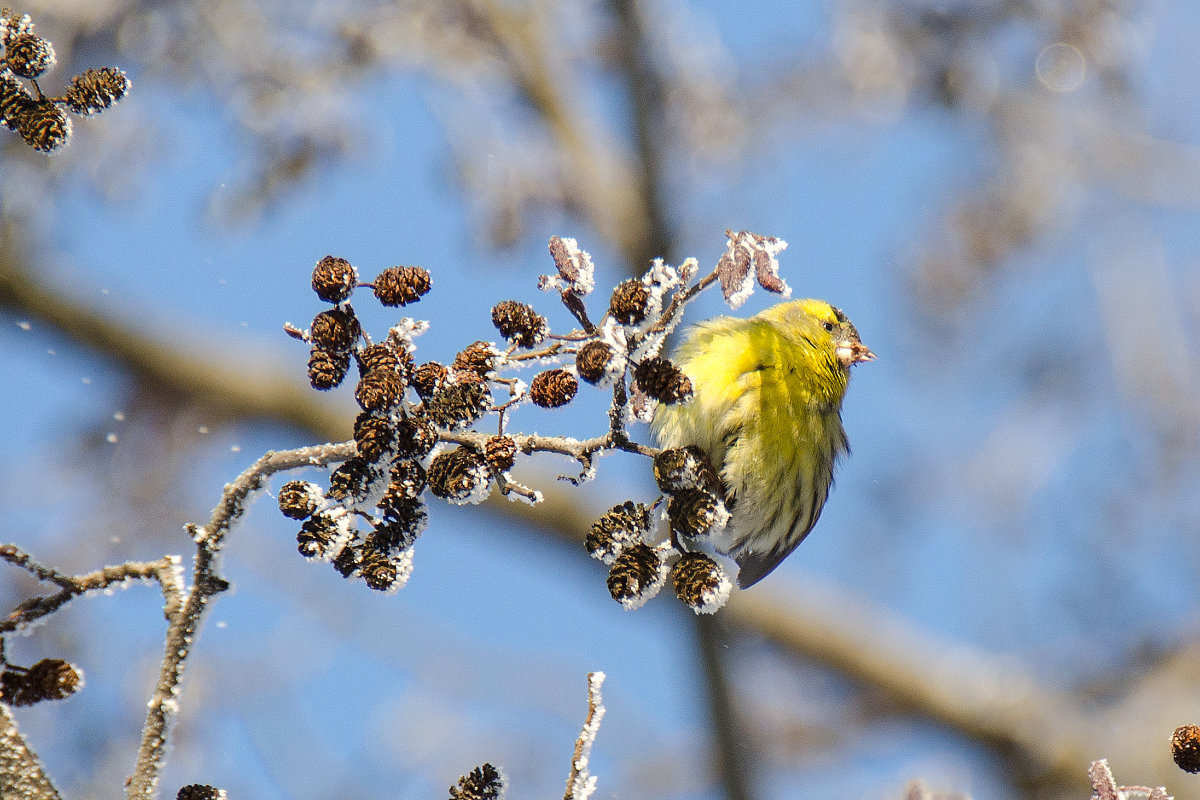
1003 196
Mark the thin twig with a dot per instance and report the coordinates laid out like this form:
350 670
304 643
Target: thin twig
681 299
581 784
1104 785
545 352
164 570
508 486
184 621
19 558
581 450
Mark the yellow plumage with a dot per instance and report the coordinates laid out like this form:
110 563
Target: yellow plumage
767 410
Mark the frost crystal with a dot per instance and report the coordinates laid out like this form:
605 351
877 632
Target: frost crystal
482 488
651 345
342 535
588 474
688 269
715 598
661 279
404 331
403 562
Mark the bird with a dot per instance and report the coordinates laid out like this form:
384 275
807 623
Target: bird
766 410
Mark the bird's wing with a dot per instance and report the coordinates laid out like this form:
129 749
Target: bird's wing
754 566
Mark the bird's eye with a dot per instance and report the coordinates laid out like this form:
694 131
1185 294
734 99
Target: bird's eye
828 326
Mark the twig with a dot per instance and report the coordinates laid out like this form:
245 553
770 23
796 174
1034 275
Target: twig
581 450
616 412
532 355
164 570
508 486
18 557
1104 786
184 621
681 299
581 784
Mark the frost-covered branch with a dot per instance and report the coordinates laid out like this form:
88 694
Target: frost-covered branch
184 619
581 783
418 431
1104 786
164 570
184 607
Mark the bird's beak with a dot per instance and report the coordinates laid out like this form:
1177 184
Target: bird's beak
852 352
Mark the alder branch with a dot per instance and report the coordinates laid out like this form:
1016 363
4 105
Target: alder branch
184 622
165 571
580 783
581 450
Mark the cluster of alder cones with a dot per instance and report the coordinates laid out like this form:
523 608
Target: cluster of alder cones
43 121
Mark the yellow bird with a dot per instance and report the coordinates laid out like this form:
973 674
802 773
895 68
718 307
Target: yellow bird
767 409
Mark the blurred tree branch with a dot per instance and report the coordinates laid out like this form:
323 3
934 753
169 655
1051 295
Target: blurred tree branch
203 377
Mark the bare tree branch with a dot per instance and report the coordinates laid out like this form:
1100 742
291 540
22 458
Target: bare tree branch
164 570
157 363
184 621
581 784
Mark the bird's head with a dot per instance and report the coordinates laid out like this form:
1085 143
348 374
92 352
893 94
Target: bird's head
811 318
